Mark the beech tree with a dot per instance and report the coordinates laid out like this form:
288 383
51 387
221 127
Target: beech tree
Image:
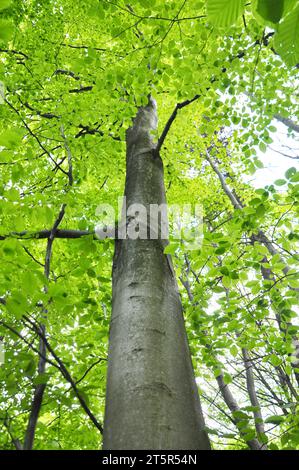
155 342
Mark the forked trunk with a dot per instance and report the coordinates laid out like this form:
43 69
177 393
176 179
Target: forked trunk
152 400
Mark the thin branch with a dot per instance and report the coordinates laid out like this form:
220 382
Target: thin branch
284 154
16 442
89 369
69 73
287 122
250 385
51 240
162 18
66 374
82 89
13 51
60 233
22 338
69 156
33 257
170 121
40 388
35 136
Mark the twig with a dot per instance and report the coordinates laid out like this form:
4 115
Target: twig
40 388
66 374
69 156
170 121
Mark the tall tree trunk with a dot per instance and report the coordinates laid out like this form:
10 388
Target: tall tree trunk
152 400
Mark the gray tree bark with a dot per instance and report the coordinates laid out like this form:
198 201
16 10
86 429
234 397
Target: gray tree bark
152 400
250 384
287 122
233 406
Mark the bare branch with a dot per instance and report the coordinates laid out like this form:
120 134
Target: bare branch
69 156
170 121
40 388
66 374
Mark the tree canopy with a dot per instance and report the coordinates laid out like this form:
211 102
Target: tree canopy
224 74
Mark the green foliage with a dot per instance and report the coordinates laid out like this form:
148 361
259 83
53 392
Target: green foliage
281 15
6 30
270 10
286 40
84 68
224 12
275 419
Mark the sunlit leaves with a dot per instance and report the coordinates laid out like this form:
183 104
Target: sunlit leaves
290 173
277 14
6 30
11 138
287 38
275 419
4 4
280 182
224 13
270 10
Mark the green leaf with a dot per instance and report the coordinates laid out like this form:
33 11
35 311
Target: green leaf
239 414
288 5
249 435
270 10
226 281
224 13
220 250
29 368
104 279
15 306
286 41
273 446
41 379
280 182
211 431
295 177
234 350
227 378
6 30
4 4
275 419
252 408
171 248
229 435
224 270
11 138
290 172
258 163
263 147
260 210
262 437
275 360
